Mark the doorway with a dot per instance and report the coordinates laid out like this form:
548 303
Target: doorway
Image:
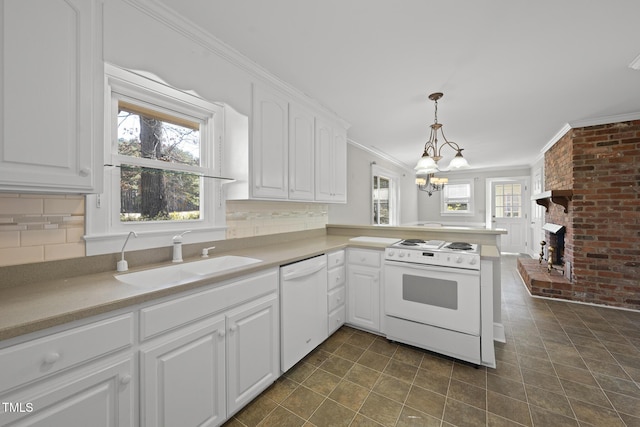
509 209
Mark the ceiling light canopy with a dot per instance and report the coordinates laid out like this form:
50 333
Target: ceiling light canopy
428 163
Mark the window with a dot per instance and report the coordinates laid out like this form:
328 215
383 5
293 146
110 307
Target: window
159 154
384 197
508 200
457 198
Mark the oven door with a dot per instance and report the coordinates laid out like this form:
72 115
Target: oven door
439 296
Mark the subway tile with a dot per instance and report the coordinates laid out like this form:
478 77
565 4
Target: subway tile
15 206
8 238
75 235
64 206
24 255
41 237
64 251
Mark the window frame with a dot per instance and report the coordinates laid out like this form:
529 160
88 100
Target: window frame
394 194
105 231
444 199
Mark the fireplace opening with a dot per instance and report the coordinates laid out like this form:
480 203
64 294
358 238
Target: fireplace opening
555 237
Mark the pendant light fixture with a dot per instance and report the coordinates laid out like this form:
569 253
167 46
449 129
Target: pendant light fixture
430 184
428 163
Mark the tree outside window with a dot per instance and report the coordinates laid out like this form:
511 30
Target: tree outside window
157 194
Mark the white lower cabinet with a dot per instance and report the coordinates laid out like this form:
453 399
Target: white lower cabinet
253 355
200 372
336 290
183 377
197 359
72 377
101 394
363 284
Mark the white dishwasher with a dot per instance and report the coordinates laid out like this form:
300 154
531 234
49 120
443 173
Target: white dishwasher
303 309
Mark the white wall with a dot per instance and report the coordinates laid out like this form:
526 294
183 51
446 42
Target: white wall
358 209
135 41
429 207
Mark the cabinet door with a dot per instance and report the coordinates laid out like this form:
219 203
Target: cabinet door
183 379
253 350
269 155
340 165
363 302
301 152
100 395
324 161
331 162
51 87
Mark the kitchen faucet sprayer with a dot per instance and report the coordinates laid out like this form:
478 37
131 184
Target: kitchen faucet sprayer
122 264
177 246
205 251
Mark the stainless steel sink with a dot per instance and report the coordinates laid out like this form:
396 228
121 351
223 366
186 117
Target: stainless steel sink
184 273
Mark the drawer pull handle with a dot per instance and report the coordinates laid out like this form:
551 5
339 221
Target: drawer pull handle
232 328
222 333
125 379
51 358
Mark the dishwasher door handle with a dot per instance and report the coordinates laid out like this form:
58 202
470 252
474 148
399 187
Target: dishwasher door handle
296 274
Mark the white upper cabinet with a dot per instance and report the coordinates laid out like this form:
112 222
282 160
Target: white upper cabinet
331 162
52 89
269 144
294 152
301 152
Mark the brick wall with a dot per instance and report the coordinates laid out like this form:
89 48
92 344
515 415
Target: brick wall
558 166
603 241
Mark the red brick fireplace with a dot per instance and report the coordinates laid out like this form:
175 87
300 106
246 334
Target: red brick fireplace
600 165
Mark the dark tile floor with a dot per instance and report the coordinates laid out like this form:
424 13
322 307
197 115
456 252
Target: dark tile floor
564 364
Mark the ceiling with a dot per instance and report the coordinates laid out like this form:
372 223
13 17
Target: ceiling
513 72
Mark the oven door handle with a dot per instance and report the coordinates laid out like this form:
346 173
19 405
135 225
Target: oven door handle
435 268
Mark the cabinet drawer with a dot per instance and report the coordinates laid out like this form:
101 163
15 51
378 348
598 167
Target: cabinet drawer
336 298
169 315
337 319
364 257
335 259
35 359
336 277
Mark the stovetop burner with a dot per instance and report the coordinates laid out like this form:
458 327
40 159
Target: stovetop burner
460 246
411 242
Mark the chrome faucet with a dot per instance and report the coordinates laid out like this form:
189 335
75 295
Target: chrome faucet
122 264
177 246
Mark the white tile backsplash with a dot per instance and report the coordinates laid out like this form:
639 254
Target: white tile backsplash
37 227
249 218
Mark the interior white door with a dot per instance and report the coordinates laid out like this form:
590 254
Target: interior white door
508 211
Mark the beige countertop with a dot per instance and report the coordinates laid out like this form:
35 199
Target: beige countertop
35 306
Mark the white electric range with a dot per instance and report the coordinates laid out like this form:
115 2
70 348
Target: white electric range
433 297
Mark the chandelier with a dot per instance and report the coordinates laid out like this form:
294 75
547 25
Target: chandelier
428 163
430 184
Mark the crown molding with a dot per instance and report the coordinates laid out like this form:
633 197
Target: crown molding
604 120
563 130
596 121
169 18
381 155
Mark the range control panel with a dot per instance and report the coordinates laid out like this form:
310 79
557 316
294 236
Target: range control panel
456 259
